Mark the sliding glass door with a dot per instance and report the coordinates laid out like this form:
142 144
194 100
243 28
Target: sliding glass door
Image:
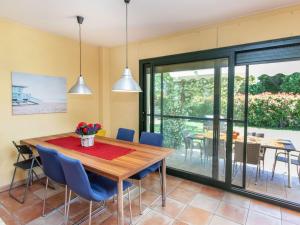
187 103
232 116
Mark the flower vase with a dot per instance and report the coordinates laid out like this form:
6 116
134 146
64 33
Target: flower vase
87 140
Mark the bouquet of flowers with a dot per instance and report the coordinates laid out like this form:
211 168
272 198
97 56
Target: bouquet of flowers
87 133
87 129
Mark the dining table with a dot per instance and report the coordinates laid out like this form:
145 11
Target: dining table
115 159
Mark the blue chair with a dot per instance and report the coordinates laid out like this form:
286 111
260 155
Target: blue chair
153 139
52 170
89 186
125 134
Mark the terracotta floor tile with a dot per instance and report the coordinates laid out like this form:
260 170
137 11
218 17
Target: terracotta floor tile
177 222
135 211
56 201
195 216
290 216
265 208
148 197
53 218
255 218
235 199
191 186
217 220
50 192
153 217
79 208
11 204
99 218
182 195
212 192
203 202
7 217
30 212
234 213
172 208
112 220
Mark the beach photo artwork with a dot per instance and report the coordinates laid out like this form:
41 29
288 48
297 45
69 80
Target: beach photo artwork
36 94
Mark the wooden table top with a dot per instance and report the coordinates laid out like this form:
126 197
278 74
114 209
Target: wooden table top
117 169
265 142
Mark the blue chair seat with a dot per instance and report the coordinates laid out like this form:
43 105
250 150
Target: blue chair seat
140 175
104 188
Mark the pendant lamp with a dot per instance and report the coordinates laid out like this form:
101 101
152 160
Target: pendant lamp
126 83
80 87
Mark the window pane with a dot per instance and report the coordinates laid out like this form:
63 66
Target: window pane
239 93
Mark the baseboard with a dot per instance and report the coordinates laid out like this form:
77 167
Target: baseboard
19 183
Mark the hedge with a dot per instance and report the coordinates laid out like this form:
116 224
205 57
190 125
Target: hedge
280 110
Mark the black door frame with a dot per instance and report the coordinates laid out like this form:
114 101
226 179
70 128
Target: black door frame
230 53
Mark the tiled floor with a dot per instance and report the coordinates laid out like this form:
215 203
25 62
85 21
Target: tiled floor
187 203
277 187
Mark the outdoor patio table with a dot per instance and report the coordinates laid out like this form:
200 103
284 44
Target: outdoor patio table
118 168
285 145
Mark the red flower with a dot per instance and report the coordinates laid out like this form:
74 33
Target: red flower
85 130
90 125
81 124
98 126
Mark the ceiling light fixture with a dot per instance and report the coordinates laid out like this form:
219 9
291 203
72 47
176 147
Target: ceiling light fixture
126 83
80 87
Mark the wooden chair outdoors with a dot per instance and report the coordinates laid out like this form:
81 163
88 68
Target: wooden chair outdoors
253 155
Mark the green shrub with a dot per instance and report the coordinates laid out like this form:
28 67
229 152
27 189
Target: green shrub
270 110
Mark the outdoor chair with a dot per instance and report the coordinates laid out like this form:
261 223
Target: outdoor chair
26 161
208 148
253 156
281 156
190 143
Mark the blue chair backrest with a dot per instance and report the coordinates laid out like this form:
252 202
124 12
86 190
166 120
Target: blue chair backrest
76 177
154 139
51 164
125 134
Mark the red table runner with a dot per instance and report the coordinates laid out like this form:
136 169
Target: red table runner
101 150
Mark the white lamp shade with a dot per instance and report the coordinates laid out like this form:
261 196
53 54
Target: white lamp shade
126 83
80 88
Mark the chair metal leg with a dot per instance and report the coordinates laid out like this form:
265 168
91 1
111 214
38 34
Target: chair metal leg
129 200
12 182
257 171
140 197
68 208
90 214
274 166
66 200
45 196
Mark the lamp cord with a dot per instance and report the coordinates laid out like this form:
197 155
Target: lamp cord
126 35
80 48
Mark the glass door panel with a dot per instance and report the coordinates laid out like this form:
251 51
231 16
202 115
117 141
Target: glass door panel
187 112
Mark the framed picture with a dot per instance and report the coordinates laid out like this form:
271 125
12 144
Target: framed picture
36 94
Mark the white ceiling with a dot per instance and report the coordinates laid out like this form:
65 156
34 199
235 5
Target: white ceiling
104 19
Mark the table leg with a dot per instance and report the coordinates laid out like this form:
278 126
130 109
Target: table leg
289 169
164 182
120 203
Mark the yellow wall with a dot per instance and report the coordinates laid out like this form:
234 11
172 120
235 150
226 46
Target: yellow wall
28 50
271 25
